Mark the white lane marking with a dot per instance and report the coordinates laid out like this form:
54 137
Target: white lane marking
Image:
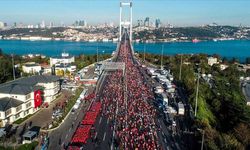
96 135
100 120
66 136
107 120
75 117
104 137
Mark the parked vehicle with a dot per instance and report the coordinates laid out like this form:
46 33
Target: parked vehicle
165 99
158 89
181 109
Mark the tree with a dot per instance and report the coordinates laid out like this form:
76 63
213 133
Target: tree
1 52
242 133
248 60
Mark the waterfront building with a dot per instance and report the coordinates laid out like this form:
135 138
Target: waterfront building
25 96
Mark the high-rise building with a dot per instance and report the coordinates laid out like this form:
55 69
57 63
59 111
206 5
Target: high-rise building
51 24
157 23
80 23
139 23
43 24
146 22
15 25
2 25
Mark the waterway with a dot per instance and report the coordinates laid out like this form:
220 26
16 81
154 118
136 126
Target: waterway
239 49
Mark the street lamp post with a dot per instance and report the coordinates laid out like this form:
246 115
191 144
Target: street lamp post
13 67
144 53
162 47
97 54
180 68
197 92
203 136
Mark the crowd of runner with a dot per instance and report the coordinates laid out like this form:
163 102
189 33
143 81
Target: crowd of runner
125 100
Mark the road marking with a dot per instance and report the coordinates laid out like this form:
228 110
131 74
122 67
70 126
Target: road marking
100 120
104 137
66 136
75 117
107 120
96 135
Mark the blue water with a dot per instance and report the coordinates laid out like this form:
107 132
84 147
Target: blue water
229 49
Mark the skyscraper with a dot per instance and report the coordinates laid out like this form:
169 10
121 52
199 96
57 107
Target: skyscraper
146 22
158 23
51 24
43 24
2 25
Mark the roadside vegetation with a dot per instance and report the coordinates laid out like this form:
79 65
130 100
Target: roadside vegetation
30 146
82 61
222 111
6 70
68 106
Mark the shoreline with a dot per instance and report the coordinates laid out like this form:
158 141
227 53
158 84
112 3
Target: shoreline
140 42
239 49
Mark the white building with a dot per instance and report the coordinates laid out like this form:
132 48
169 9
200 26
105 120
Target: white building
64 59
31 67
70 68
2 25
46 69
25 96
223 66
212 61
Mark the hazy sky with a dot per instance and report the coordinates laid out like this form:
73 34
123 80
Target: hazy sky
177 12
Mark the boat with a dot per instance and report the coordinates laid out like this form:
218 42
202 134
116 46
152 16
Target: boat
195 40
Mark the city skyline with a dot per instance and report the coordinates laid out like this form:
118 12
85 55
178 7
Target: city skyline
179 13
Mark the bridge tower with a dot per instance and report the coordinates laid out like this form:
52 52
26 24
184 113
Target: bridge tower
125 24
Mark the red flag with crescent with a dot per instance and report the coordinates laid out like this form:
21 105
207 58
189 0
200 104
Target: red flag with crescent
37 98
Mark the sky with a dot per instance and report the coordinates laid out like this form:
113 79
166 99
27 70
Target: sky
176 12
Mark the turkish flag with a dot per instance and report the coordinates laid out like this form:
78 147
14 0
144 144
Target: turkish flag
37 98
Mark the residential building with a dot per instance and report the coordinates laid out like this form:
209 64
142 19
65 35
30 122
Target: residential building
32 68
223 66
64 59
212 61
46 69
25 96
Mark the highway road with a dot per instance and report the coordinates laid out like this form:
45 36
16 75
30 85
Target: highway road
103 137
104 132
62 135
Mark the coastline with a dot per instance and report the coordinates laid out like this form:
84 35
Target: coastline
240 49
134 41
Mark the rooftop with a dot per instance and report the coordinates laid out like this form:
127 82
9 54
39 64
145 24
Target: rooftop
24 86
31 65
8 102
